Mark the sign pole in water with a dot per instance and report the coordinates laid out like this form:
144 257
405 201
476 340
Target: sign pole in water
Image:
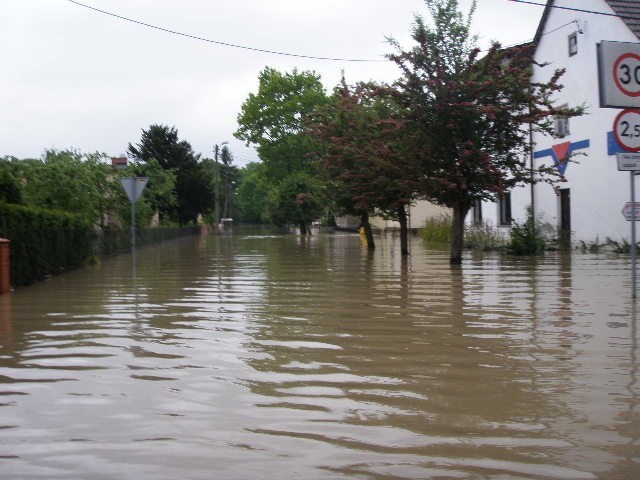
631 211
619 82
133 187
633 234
626 128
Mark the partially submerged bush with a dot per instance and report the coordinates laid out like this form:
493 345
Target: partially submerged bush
484 236
437 229
526 238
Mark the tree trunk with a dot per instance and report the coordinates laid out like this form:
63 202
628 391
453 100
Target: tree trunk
460 210
371 245
303 227
404 230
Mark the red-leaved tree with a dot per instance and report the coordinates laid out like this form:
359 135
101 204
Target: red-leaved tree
364 154
474 113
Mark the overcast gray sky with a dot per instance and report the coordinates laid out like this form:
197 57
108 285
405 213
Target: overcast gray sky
71 77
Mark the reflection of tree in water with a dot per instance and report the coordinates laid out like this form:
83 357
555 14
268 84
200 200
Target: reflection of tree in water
627 421
415 355
5 317
91 307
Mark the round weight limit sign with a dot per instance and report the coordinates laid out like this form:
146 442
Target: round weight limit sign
626 128
626 73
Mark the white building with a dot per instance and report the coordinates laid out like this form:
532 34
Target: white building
417 215
589 205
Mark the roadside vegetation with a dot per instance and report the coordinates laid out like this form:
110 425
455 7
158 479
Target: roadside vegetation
485 237
437 230
449 130
524 238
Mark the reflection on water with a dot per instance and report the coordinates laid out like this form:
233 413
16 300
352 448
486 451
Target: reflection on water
264 354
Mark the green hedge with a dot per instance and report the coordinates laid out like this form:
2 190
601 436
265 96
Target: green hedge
43 242
49 242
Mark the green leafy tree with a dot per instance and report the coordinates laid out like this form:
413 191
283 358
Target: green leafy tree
159 194
193 190
273 120
67 180
86 184
473 113
227 176
161 142
194 194
295 199
10 190
253 190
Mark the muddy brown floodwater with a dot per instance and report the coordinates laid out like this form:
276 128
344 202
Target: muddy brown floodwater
259 354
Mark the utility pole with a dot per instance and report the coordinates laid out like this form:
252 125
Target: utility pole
216 185
216 180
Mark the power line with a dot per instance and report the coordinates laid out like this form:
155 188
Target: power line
560 27
217 42
581 10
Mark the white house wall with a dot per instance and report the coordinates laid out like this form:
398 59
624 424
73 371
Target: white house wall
418 215
598 190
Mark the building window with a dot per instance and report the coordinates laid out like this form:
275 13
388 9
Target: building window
477 212
504 209
561 124
573 44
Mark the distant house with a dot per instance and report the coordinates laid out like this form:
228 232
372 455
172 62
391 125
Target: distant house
589 205
418 214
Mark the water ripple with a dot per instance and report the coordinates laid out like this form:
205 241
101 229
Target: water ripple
271 355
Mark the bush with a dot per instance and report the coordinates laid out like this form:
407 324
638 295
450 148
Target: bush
483 236
526 238
592 246
437 229
623 246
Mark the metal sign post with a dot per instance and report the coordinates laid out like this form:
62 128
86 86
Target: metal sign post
631 211
633 234
133 187
626 128
619 84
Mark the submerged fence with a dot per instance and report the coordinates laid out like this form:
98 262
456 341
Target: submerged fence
111 241
5 266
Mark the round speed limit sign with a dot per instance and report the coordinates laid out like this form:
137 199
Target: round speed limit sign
626 128
626 73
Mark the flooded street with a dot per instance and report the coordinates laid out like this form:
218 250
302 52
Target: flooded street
265 355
